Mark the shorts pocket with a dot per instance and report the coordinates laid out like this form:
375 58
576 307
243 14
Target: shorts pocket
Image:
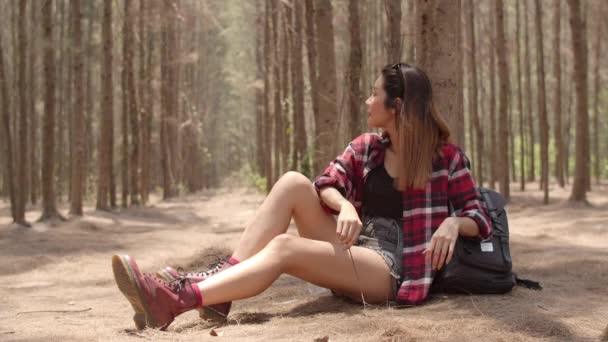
384 229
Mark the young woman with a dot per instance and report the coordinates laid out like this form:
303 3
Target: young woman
401 199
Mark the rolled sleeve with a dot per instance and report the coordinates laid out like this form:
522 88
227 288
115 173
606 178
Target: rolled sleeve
340 174
464 195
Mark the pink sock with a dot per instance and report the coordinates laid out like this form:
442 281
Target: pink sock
199 295
233 261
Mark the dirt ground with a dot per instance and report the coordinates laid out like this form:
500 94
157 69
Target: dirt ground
56 282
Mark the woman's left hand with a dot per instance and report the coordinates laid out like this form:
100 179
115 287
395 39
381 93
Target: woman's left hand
442 243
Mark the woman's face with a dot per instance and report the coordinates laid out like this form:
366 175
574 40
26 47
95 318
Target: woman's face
379 115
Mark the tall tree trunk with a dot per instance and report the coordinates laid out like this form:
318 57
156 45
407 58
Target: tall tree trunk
34 169
531 140
145 79
492 99
520 103
9 158
393 40
557 111
168 79
267 113
579 47
438 53
542 105
503 77
132 108
286 131
88 98
297 89
106 119
49 208
77 141
124 118
325 119
276 92
22 153
259 91
596 88
311 54
354 67
473 100
411 51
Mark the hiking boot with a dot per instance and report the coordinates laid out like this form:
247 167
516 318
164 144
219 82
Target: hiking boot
216 312
160 301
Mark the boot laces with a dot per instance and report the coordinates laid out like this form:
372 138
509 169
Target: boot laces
212 269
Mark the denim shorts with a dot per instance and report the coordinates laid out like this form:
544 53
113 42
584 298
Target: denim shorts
385 236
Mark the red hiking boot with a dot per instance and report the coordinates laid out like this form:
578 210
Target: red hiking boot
161 302
216 312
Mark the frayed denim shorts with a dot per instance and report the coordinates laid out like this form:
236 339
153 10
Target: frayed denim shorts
385 236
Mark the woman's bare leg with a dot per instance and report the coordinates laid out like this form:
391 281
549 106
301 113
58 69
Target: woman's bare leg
319 262
293 195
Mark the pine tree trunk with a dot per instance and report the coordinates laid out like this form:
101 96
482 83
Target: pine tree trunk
267 113
259 91
438 53
9 157
354 68
473 100
145 79
520 103
168 80
557 110
503 121
132 108
531 140
106 113
77 143
393 39
542 105
34 168
579 47
276 92
88 98
286 131
124 118
492 99
325 119
596 96
49 208
22 151
297 79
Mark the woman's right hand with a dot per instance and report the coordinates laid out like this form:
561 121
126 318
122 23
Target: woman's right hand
349 225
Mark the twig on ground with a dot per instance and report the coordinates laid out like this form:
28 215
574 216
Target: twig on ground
54 311
476 308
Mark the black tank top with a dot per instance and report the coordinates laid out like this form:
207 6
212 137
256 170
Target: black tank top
380 198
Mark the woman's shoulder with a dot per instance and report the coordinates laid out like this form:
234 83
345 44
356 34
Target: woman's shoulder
453 155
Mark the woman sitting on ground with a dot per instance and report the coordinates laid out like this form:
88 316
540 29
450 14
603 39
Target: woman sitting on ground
401 198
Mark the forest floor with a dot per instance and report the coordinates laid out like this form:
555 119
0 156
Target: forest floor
56 282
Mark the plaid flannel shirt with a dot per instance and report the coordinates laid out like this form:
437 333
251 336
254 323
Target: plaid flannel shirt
423 210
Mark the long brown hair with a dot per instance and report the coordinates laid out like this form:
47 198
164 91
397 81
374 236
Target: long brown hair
421 129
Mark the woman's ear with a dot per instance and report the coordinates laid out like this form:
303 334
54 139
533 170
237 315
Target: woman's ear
397 105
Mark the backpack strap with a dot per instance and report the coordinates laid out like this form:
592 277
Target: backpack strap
527 283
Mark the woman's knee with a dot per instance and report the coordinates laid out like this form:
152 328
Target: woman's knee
294 180
281 248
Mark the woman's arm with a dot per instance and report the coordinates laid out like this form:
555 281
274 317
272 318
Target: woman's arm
333 198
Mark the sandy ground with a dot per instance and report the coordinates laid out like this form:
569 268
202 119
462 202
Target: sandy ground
56 282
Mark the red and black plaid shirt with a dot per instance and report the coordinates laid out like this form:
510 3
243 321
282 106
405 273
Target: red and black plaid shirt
423 210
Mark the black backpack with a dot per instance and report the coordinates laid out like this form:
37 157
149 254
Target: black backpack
483 267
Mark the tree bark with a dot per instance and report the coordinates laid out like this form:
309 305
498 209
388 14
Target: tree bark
542 105
267 113
393 39
105 144
520 103
9 158
503 79
49 207
132 108
22 151
438 53
579 47
596 96
354 67
77 155
531 140
34 168
325 119
168 80
297 78
557 111
473 100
